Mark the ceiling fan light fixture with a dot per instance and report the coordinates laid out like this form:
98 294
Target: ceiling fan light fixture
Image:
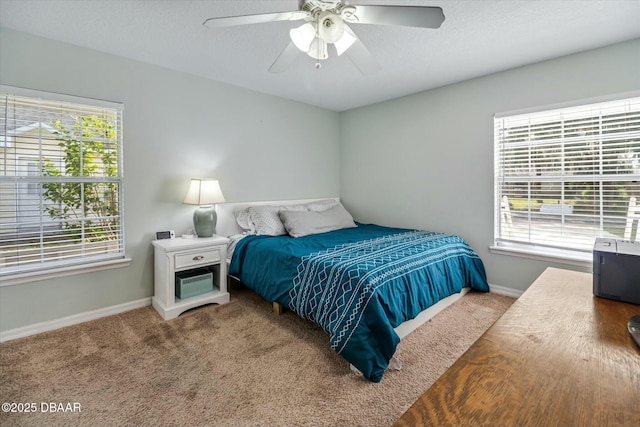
318 49
326 23
348 38
330 27
303 36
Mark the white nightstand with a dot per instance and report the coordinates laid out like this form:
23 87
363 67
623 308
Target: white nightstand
175 255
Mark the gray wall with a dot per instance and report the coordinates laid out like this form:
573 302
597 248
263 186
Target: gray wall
426 160
423 161
176 126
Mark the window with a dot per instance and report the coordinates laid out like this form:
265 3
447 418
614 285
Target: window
567 176
60 183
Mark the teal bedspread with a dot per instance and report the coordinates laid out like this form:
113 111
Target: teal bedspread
359 283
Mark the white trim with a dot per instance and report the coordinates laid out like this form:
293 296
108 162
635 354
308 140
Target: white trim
502 290
73 261
517 166
569 104
32 276
34 93
581 259
75 319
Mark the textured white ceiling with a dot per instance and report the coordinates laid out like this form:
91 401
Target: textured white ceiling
478 37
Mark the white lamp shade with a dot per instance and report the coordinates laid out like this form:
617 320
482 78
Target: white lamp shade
204 192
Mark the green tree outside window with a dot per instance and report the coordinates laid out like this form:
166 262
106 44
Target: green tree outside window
87 210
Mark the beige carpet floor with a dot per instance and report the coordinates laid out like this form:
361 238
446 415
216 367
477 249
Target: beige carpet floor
232 365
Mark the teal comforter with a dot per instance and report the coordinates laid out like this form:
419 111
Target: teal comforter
359 283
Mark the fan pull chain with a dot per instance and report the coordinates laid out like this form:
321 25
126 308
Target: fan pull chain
318 64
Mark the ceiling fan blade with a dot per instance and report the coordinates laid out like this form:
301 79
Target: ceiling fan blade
231 21
407 16
362 58
344 43
285 59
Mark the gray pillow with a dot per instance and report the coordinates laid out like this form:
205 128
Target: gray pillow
300 224
320 205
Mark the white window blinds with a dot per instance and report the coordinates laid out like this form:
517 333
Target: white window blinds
60 181
566 176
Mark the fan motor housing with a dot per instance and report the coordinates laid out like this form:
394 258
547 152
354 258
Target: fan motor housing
315 6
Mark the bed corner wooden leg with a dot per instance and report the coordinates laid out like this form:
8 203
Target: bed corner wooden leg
277 308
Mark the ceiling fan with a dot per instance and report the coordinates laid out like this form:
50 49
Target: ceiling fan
327 25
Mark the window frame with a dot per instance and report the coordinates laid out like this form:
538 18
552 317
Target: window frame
78 264
502 246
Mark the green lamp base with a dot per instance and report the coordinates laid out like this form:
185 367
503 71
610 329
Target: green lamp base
204 221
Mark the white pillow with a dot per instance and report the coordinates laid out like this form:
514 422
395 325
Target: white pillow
244 220
304 223
266 219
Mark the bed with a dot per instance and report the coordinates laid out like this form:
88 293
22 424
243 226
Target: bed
360 282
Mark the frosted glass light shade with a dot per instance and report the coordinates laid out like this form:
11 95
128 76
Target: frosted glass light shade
318 49
314 43
330 27
303 36
204 192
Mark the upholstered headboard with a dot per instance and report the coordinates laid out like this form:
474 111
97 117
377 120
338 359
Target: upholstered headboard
227 225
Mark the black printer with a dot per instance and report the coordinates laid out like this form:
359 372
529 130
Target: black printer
616 270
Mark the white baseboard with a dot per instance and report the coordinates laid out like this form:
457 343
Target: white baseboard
50 325
501 290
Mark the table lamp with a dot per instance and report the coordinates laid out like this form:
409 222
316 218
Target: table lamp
204 192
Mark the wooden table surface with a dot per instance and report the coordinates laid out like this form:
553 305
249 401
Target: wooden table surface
558 357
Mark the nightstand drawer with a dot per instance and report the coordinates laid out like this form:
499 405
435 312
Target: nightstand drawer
197 258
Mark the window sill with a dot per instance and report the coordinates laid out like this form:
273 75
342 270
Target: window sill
33 276
562 256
